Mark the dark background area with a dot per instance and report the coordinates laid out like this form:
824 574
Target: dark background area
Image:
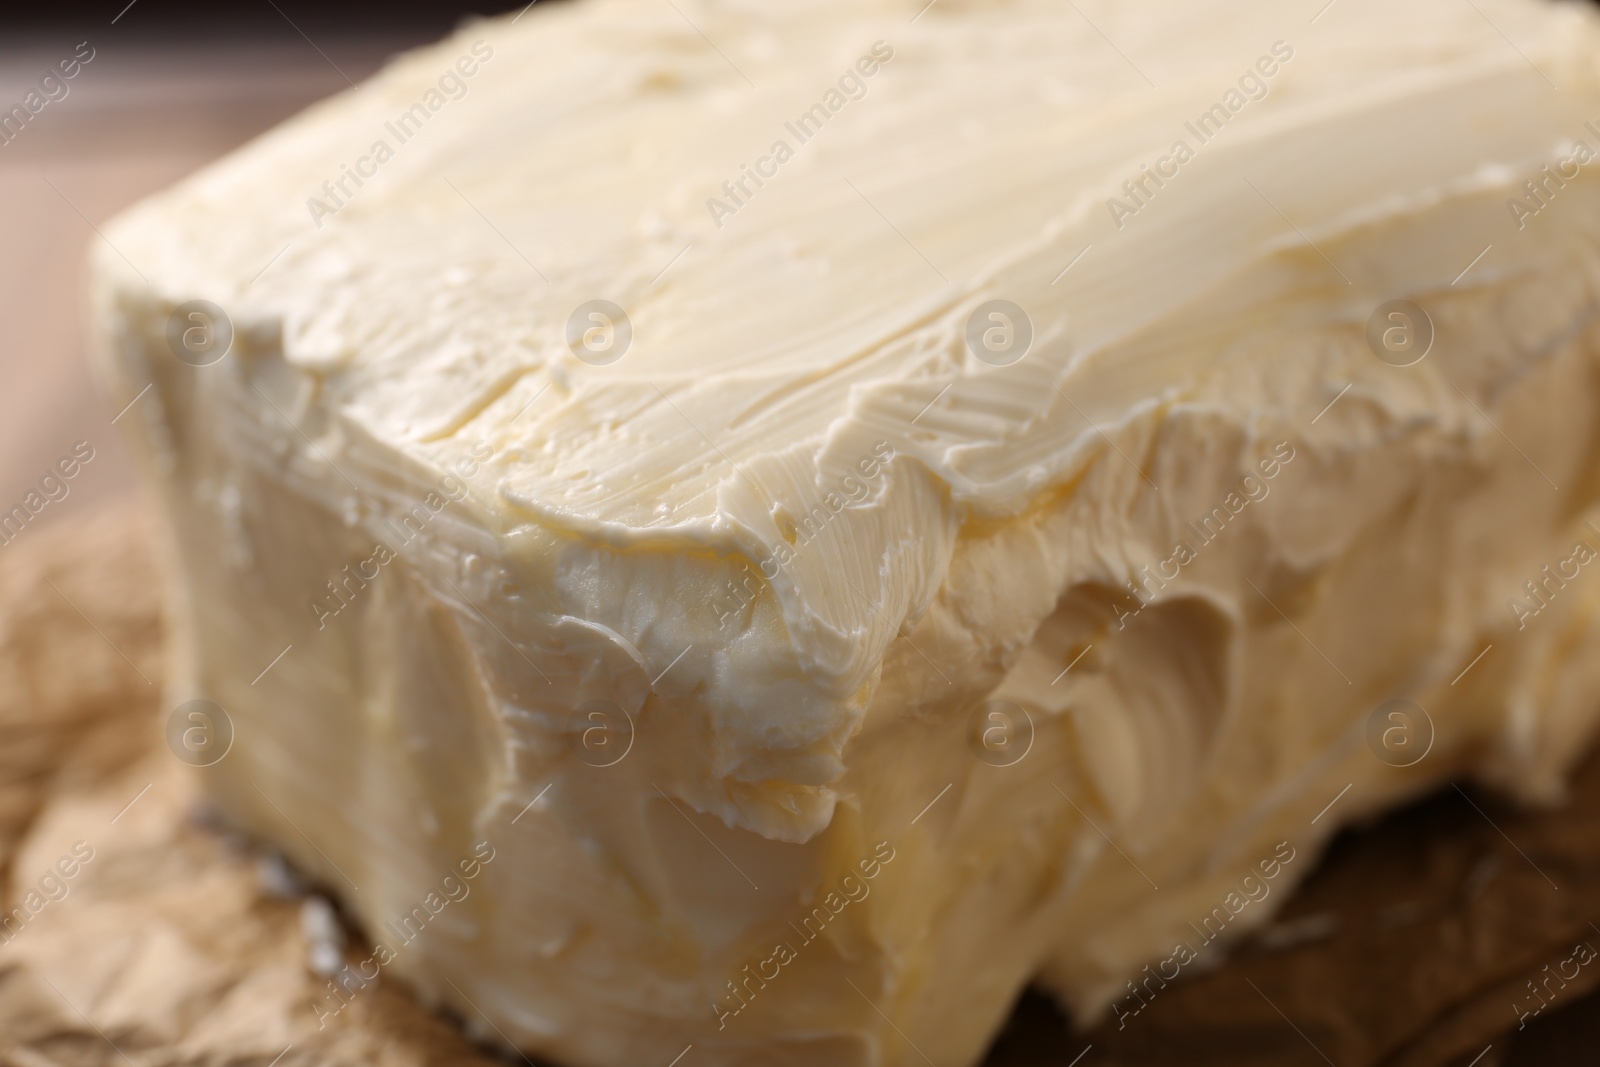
198 19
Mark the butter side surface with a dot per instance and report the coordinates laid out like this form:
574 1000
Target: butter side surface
795 677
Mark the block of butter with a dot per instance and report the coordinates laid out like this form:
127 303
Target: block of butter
751 534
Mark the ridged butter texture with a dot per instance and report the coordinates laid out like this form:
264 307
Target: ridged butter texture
799 532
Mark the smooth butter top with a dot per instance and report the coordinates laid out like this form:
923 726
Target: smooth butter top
789 337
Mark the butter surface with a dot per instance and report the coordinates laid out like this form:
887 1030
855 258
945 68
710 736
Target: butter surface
778 536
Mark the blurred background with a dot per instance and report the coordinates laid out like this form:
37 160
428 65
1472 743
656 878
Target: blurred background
173 84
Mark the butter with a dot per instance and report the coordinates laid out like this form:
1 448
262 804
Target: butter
996 477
